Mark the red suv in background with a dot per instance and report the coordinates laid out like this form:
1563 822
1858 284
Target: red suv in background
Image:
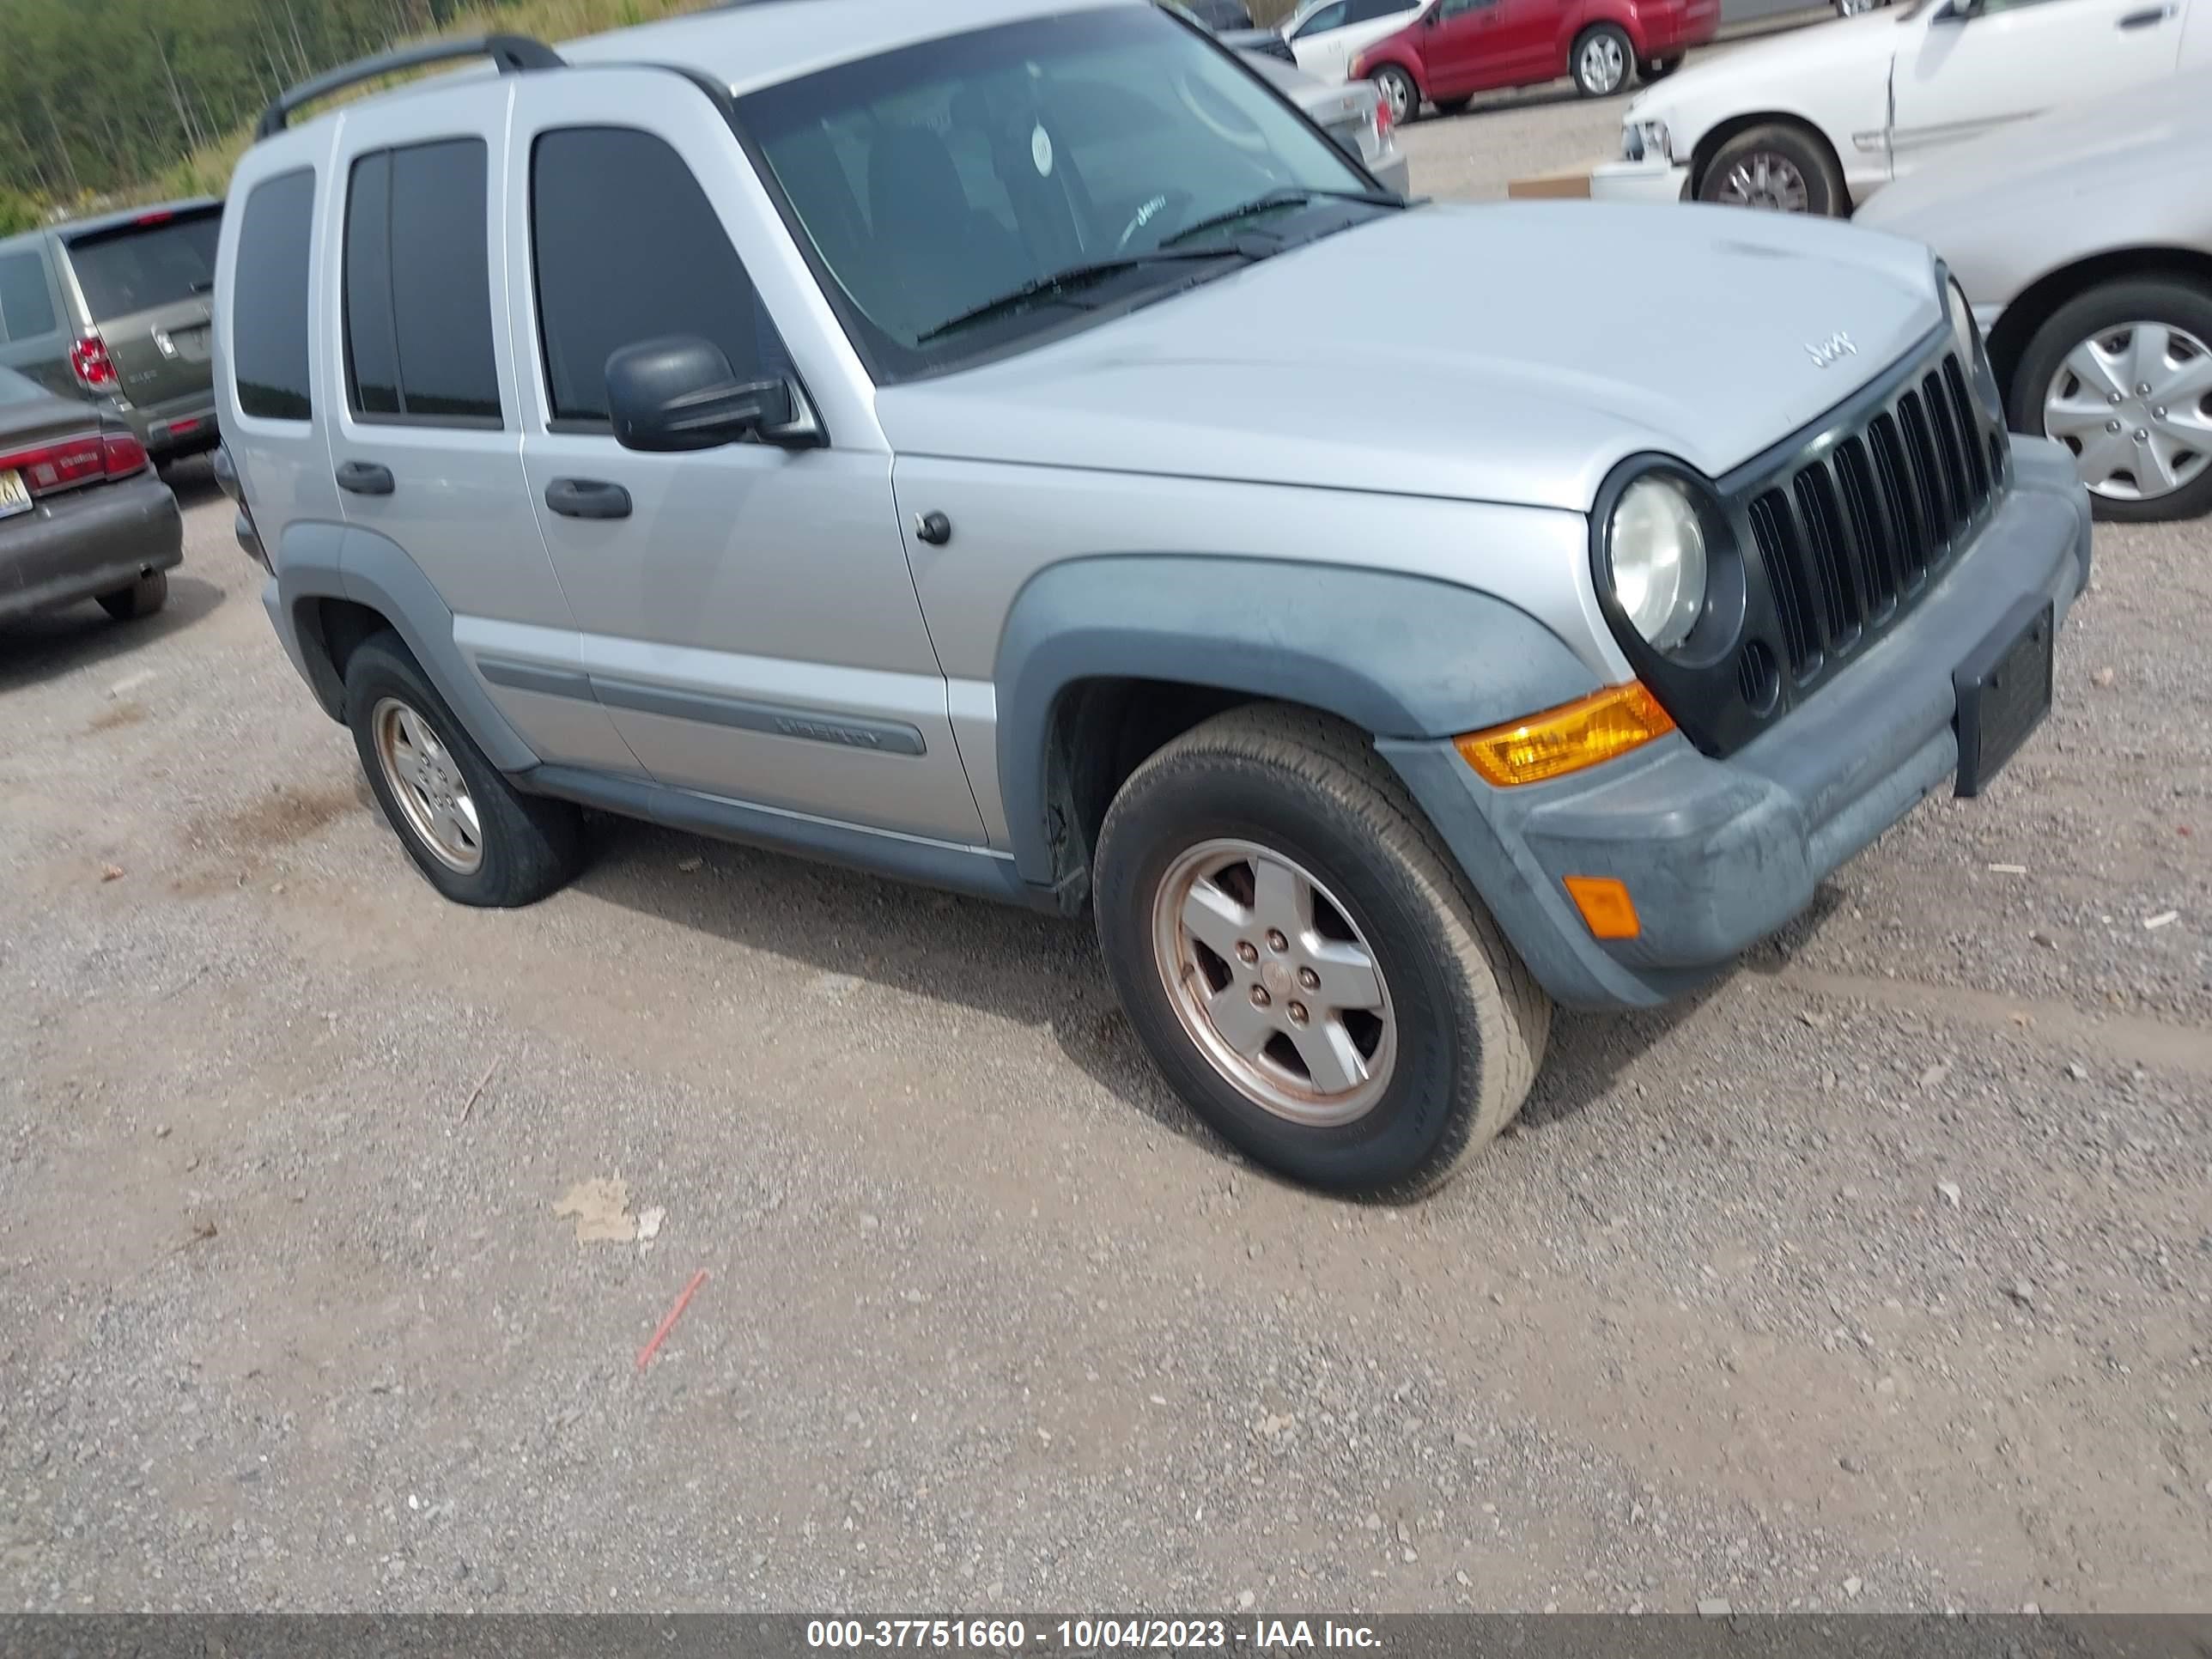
1456 48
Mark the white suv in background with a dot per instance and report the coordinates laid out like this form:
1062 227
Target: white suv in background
1327 35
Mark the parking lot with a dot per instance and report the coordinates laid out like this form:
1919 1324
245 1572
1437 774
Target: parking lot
1880 1276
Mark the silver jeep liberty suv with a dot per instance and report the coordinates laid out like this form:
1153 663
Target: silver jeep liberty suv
970 442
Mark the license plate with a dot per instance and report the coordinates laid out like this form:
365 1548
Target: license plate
2004 691
14 494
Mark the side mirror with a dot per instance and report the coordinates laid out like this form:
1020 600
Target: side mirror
677 394
1432 16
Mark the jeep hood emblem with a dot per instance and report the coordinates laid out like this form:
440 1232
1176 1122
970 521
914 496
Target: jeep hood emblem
1824 352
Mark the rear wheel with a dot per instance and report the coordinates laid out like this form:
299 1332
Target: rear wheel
477 838
1399 94
2121 375
1778 168
1303 961
1600 60
141 599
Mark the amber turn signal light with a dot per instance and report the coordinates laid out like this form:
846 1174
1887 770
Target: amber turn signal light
1608 911
1568 739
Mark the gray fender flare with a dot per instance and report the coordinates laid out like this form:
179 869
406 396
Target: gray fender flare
345 562
1397 656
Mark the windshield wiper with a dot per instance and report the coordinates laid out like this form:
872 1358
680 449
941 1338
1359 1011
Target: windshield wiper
1055 285
1288 195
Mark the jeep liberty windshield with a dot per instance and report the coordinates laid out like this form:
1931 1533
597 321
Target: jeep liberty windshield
940 188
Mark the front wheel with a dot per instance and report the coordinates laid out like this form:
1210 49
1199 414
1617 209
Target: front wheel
1399 94
1600 60
1304 962
2121 375
477 838
1777 168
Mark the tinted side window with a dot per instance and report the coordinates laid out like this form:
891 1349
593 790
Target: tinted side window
269 298
627 248
418 285
27 307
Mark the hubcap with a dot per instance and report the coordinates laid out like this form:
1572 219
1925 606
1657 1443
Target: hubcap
2133 403
1274 982
1604 64
1767 182
428 784
1400 95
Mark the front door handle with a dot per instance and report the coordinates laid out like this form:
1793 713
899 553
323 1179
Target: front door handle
2144 19
587 498
365 478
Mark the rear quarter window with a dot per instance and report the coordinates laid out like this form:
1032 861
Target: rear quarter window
26 306
162 261
268 299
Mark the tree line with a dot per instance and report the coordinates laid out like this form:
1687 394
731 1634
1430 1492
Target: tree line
100 99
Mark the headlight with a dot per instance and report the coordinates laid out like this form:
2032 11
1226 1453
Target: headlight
1963 328
1655 549
1641 138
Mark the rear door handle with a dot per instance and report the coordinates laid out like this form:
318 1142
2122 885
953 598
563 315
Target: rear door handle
587 498
365 478
2144 19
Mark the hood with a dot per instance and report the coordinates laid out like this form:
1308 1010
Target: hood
1766 74
1508 353
2158 136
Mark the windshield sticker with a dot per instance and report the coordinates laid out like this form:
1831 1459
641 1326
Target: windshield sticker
1041 151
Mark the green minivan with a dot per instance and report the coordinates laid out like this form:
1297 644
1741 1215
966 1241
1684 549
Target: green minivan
116 309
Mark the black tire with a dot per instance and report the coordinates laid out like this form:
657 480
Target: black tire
530 847
1657 68
1399 93
1803 154
2176 303
141 599
1453 105
1471 1023
1605 41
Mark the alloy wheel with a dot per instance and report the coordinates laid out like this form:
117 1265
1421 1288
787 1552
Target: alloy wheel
1604 65
426 781
1766 181
1274 982
2134 403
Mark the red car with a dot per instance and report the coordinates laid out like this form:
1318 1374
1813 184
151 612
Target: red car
1456 48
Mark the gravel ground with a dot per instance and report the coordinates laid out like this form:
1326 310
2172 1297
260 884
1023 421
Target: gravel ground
1880 1276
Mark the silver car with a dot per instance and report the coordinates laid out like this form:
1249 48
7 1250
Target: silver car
2084 239
959 440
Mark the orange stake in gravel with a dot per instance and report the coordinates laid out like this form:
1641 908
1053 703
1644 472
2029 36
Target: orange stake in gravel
645 1354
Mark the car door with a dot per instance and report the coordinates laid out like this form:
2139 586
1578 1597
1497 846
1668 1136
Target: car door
1460 49
1319 44
745 614
1961 73
425 435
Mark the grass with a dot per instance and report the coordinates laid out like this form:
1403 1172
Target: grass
207 171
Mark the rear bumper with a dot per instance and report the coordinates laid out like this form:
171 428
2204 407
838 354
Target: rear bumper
1718 854
1648 181
87 543
181 426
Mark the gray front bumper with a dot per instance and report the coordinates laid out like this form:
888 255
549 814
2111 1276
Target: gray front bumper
1719 854
88 541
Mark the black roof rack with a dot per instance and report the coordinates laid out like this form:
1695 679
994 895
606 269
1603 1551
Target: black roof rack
513 53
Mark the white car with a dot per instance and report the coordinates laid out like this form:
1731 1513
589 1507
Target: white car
1326 35
1818 121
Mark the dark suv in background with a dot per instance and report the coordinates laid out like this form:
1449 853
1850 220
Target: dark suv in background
116 309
